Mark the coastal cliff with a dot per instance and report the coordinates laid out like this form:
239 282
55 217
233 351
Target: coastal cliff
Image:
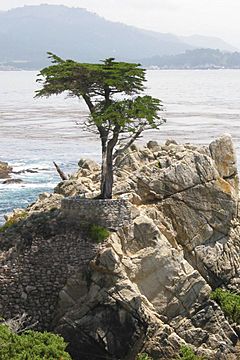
146 288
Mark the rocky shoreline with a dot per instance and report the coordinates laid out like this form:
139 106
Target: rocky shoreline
6 172
147 287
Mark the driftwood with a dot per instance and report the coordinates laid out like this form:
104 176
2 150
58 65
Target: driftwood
18 323
60 172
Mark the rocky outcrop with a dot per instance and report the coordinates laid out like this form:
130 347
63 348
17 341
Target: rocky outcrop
184 237
141 296
193 198
12 181
5 170
147 287
85 181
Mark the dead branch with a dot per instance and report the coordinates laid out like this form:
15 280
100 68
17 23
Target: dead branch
60 172
131 141
18 323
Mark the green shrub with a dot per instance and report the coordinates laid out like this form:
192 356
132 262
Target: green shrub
13 220
229 303
186 353
7 225
31 345
143 356
98 233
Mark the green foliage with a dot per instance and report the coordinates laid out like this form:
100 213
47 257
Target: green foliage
229 303
98 84
92 79
31 345
7 225
186 353
128 114
143 356
107 89
13 221
98 233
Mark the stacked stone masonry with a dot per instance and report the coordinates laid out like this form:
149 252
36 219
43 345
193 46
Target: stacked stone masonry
31 282
111 214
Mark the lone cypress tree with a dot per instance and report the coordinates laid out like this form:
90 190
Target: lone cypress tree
111 91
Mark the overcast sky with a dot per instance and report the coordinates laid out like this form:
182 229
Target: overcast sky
182 17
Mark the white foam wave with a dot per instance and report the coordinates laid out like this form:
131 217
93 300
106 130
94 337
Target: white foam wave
31 166
49 185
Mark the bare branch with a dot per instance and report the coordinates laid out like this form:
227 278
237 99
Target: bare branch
60 172
130 142
17 324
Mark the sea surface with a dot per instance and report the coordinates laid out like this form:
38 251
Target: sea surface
199 105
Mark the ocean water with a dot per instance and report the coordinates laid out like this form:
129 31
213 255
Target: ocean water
198 105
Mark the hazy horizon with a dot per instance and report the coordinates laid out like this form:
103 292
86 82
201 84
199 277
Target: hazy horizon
218 18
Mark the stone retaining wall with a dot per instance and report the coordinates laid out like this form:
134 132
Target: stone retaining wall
111 214
31 281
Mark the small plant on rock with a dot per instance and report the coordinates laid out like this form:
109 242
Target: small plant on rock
229 303
13 220
186 353
143 356
7 225
98 233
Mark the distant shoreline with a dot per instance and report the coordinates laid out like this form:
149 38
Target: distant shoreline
146 67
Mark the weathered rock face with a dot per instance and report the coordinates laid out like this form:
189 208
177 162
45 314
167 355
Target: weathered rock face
147 287
86 181
5 170
193 198
134 297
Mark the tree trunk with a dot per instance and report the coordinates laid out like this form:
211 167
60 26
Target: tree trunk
107 174
107 166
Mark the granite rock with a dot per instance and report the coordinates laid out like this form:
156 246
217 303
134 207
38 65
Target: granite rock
147 287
